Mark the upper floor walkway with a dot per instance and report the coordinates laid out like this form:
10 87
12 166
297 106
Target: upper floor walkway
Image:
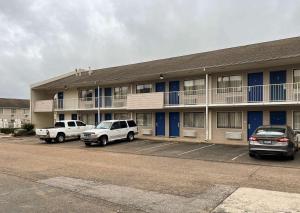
271 94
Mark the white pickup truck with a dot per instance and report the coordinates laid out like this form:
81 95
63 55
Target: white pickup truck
62 130
110 130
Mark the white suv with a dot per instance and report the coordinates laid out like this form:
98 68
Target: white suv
110 130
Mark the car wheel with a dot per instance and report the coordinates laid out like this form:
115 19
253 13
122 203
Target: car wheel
251 154
103 140
130 136
60 138
87 144
49 140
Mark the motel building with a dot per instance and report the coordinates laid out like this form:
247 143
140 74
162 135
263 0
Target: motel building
220 96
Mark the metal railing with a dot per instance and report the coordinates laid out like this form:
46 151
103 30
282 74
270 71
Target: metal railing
269 93
90 103
190 97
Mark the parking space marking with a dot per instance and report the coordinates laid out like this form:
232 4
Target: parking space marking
240 155
153 147
203 147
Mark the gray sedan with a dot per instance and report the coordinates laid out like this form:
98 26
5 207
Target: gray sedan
273 140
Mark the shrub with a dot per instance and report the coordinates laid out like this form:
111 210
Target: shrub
7 130
28 126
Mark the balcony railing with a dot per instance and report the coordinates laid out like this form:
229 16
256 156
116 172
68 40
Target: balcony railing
90 103
191 97
265 94
271 93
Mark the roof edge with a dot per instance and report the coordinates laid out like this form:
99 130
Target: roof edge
32 86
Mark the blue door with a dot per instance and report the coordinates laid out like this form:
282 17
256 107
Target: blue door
60 99
278 118
255 119
160 87
61 117
108 97
277 81
174 94
160 124
107 116
74 116
174 122
255 91
96 119
98 96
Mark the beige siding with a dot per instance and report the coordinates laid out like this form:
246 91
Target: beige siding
145 101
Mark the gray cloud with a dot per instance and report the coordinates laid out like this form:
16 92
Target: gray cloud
44 38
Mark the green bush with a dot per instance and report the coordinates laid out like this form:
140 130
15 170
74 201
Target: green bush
28 126
7 130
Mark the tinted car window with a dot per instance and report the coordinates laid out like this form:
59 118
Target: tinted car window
271 131
115 125
79 123
123 124
59 124
131 123
71 124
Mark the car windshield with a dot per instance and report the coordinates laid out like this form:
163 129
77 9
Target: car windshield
104 125
270 131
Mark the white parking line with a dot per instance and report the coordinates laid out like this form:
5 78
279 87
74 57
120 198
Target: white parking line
240 155
203 147
153 147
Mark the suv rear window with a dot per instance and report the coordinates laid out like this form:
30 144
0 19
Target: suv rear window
123 124
131 123
59 124
274 131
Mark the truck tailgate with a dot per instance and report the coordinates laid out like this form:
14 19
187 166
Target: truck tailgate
41 132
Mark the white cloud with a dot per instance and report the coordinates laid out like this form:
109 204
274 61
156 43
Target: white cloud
44 38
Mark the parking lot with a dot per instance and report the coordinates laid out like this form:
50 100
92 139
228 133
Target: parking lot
197 177
195 151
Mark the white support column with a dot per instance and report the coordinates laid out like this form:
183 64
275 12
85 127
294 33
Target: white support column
206 109
98 101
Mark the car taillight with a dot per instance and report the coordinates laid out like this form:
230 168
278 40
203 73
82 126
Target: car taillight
252 138
284 140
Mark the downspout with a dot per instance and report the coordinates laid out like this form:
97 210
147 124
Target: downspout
99 104
206 108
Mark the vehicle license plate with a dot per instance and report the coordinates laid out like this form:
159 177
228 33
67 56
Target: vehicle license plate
267 142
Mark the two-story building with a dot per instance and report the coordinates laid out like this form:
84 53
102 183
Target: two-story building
219 96
14 112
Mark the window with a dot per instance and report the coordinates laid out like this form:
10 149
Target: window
1 110
25 111
115 125
120 92
121 116
296 78
86 95
79 123
123 124
144 88
227 84
229 120
296 120
13 111
144 119
71 124
193 87
194 119
59 124
131 123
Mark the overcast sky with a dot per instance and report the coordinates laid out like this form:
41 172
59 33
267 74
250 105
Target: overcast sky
44 38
